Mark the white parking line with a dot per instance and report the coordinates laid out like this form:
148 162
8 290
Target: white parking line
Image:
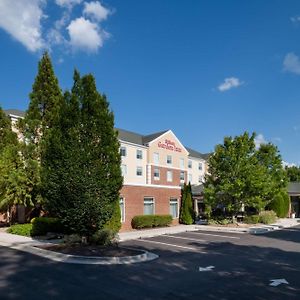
183 238
172 245
218 235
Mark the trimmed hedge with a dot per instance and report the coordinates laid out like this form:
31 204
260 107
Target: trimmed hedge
43 225
149 221
20 229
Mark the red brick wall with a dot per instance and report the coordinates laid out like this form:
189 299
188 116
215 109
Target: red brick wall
134 201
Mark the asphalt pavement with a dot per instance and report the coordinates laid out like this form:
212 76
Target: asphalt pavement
191 265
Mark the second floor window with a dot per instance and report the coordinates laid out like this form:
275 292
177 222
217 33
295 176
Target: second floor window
181 163
123 151
139 171
181 175
156 173
124 170
169 176
190 164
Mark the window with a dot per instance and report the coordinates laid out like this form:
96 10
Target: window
190 178
123 151
190 164
122 209
139 171
169 176
156 158
124 170
182 176
200 180
169 159
139 154
200 166
148 206
156 173
174 208
181 163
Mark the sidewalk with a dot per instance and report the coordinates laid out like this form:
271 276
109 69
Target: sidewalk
137 234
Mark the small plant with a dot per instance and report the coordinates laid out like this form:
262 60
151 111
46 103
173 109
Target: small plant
252 219
219 221
267 217
72 239
20 229
104 237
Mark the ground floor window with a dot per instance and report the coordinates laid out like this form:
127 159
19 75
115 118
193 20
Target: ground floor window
122 209
148 206
174 208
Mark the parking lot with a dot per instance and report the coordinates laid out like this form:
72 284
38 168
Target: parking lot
191 265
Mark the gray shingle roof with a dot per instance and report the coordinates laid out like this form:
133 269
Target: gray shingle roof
196 154
153 136
129 136
197 189
294 188
15 112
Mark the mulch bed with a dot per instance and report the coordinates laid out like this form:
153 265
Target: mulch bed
91 250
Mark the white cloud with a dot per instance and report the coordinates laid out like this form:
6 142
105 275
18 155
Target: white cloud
86 35
287 164
67 3
96 10
259 140
229 83
291 63
22 20
295 19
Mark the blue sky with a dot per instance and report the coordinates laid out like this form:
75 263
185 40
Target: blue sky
204 69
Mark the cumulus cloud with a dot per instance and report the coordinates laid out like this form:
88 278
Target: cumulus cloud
22 20
259 140
291 63
96 10
287 164
229 83
67 3
86 35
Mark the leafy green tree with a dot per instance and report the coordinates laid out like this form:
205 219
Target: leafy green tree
186 210
15 186
236 177
81 173
293 173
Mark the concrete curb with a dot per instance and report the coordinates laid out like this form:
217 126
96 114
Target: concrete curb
76 259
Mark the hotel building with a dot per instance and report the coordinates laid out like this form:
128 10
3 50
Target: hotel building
154 168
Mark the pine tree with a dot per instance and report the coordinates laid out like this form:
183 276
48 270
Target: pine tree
186 211
82 162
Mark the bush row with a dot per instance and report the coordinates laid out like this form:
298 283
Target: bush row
149 221
265 217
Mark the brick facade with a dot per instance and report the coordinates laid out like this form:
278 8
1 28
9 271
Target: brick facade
134 201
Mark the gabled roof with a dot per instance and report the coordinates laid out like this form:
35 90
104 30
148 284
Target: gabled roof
15 112
153 136
129 136
294 188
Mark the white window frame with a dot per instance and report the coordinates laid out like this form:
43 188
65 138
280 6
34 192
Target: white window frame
181 163
139 168
123 213
169 160
124 169
200 166
156 155
182 179
190 164
169 179
174 200
153 202
190 178
156 177
139 154
123 148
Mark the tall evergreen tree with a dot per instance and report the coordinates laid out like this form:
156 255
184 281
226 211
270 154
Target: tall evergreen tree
82 165
186 211
15 186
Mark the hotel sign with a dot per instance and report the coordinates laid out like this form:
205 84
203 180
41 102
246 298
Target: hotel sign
169 145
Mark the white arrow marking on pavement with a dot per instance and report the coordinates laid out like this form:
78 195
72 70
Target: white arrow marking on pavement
209 268
276 282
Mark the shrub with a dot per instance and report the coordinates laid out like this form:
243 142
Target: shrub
114 223
219 221
267 217
104 237
149 221
280 204
43 225
186 210
253 219
20 229
72 239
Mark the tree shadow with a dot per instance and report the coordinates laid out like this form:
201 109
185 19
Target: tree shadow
241 272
